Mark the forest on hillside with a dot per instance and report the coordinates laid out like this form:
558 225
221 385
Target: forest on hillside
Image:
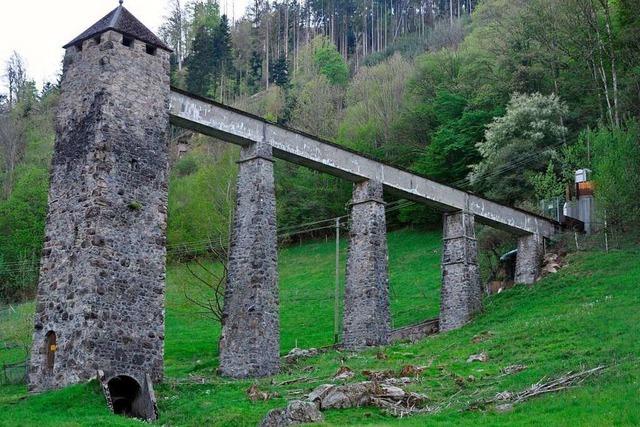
505 98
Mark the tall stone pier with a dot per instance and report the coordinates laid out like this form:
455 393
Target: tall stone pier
100 301
529 258
367 321
250 341
461 293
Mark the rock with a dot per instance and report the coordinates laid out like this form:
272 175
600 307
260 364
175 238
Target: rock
505 407
298 353
378 375
512 369
255 394
296 412
392 392
343 396
319 392
481 337
398 381
481 357
551 264
343 373
366 393
412 371
504 395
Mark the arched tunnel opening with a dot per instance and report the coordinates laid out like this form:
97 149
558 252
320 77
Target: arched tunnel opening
125 396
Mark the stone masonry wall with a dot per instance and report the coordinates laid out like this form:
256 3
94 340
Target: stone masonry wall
101 286
367 321
529 258
461 293
414 333
250 340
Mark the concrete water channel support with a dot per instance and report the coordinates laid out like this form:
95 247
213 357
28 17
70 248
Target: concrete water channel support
366 317
100 303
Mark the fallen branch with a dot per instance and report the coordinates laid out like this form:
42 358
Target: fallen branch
297 380
564 382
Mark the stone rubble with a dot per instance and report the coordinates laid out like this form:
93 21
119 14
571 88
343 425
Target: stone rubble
366 393
481 357
298 353
296 412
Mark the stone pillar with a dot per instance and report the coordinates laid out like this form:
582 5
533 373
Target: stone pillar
250 341
100 300
529 258
461 293
367 321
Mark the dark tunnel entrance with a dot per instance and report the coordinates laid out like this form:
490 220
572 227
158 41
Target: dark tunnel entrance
125 396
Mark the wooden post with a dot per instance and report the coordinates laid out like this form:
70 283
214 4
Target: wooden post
336 302
606 235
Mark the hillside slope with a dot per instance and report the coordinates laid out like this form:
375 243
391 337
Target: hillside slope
585 316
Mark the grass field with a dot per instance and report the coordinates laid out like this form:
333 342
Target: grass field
585 316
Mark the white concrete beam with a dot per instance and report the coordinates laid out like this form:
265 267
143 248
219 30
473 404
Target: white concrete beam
228 124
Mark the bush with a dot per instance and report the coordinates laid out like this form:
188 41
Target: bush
185 166
332 64
22 218
616 167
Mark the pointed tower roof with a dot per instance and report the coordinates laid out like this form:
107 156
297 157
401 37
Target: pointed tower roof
122 21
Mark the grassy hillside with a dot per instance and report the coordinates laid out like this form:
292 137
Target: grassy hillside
307 286
585 316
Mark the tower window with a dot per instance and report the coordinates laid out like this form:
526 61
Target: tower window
79 47
151 50
127 41
51 347
97 39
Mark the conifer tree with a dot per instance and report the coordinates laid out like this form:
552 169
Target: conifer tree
201 62
280 72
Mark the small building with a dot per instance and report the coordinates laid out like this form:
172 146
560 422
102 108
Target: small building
580 204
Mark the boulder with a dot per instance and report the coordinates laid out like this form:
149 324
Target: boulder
299 353
482 357
296 412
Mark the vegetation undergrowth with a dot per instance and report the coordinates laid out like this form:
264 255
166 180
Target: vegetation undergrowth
582 317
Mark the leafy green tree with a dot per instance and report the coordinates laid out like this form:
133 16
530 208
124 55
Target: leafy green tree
524 139
374 101
318 107
452 151
205 14
22 218
331 64
305 195
546 185
616 167
201 199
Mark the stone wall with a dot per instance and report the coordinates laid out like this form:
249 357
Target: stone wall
250 340
461 293
367 321
101 287
529 258
417 332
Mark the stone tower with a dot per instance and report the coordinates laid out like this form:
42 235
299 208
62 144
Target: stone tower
100 303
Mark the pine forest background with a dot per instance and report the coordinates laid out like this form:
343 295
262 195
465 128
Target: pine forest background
505 98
